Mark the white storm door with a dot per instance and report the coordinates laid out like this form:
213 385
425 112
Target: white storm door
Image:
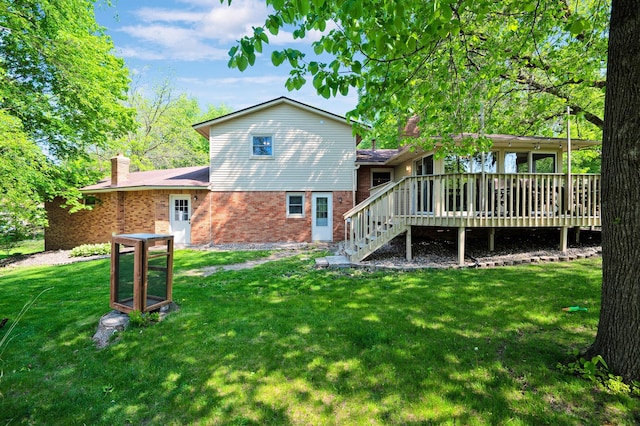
322 214
180 212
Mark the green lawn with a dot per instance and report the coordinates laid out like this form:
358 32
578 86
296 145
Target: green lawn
23 247
284 343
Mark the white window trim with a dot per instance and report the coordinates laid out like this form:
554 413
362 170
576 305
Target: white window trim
262 157
295 215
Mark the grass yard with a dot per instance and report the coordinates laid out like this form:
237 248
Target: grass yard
287 344
23 247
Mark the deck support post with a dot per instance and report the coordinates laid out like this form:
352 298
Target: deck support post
492 239
577 228
408 253
564 235
461 235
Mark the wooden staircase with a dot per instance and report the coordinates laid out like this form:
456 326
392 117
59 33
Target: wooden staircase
373 223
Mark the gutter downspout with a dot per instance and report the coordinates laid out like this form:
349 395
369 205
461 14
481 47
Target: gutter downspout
210 214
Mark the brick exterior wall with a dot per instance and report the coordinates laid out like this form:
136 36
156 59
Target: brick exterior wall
66 230
216 217
243 217
124 212
364 183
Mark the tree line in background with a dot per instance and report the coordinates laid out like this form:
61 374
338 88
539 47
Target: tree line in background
67 106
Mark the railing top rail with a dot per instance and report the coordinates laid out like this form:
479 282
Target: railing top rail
392 185
370 200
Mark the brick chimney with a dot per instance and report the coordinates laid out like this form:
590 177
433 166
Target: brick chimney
119 169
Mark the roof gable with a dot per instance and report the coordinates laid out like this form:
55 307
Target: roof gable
203 128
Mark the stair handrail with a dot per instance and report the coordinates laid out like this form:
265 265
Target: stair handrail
370 200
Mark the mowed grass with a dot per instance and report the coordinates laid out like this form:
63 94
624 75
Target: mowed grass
23 247
286 344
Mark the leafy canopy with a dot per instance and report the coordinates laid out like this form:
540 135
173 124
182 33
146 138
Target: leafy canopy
20 204
58 75
163 137
460 65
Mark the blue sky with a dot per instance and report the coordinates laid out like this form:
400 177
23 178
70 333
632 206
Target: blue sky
186 41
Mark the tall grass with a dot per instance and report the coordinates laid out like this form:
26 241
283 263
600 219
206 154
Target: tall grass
284 343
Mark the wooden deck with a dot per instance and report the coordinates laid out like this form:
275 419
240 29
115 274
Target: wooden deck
482 200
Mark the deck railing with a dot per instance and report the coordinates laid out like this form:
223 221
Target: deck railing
474 200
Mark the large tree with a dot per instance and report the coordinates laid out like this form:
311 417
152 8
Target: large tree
498 67
462 66
61 91
163 137
24 171
58 75
618 338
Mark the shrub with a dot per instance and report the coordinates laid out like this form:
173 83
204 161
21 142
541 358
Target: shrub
597 371
139 319
90 250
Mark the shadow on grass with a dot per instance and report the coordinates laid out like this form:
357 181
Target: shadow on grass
287 344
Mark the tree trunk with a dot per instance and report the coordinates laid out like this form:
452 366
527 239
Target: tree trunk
618 337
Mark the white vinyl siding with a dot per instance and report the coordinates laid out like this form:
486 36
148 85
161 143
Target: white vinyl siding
312 152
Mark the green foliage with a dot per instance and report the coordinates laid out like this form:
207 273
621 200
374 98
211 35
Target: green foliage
58 75
139 319
597 371
25 171
90 250
484 66
163 137
61 92
586 160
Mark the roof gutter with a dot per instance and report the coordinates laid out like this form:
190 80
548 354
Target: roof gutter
138 188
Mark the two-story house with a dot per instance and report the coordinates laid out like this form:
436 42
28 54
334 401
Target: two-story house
283 171
280 171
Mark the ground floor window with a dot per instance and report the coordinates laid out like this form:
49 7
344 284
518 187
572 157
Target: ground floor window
295 205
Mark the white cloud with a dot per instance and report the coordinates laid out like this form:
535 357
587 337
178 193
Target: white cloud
169 42
227 23
201 30
151 14
277 80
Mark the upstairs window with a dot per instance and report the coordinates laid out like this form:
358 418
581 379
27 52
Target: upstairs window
262 146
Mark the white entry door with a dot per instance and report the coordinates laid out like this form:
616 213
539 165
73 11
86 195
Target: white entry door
180 212
321 221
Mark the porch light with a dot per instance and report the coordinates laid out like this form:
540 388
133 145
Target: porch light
141 272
